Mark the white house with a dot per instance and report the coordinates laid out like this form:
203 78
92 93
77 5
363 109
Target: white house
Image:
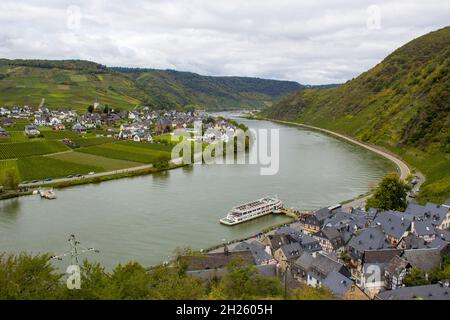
41 120
31 130
55 121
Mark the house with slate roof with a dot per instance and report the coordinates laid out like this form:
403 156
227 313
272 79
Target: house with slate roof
329 238
438 215
424 230
288 253
439 291
394 273
373 270
321 266
412 241
347 223
365 240
275 241
343 287
393 226
260 253
312 223
307 242
426 259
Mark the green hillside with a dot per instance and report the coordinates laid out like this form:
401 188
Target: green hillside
64 84
402 104
77 83
175 89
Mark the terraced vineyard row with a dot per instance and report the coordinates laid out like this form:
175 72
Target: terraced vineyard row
27 149
88 142
126 151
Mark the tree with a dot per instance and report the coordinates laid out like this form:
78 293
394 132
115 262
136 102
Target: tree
10 179
415 277
308 293
162 162
243 281
90 108
390 194
28 277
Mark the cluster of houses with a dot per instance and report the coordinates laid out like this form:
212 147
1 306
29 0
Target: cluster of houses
356 254
138 125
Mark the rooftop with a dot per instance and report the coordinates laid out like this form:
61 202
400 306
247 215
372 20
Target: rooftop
428 292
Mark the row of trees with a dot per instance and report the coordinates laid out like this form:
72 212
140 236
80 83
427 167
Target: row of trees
34 277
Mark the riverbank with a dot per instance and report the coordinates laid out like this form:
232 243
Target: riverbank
96 178
403 169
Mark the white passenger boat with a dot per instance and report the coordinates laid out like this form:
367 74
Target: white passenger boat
252 210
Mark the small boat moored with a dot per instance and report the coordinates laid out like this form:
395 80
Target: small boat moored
47 194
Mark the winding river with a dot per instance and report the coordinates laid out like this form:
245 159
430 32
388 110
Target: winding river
146 218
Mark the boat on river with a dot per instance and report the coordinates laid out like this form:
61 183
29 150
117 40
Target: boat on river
252 210
47 194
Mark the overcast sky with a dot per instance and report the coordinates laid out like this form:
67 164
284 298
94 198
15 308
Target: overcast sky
312 42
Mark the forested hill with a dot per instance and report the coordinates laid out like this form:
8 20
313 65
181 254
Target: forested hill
177 88
78 83
403 104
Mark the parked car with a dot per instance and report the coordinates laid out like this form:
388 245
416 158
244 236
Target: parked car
91 173
69 176
48 179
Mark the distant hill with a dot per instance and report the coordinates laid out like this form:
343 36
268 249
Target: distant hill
175 88
402 104
78 83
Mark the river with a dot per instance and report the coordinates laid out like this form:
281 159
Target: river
146 218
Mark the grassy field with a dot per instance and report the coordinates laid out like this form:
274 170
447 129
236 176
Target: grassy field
106 164
32 148
127 151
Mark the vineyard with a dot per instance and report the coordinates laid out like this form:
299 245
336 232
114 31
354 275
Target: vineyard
125 151
89 142
46 167
27 149
60 135
107 164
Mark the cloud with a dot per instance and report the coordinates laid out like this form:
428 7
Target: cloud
312 42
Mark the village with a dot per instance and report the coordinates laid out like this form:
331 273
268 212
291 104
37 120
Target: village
139 125
355 254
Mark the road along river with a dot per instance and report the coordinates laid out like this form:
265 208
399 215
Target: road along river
145 218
